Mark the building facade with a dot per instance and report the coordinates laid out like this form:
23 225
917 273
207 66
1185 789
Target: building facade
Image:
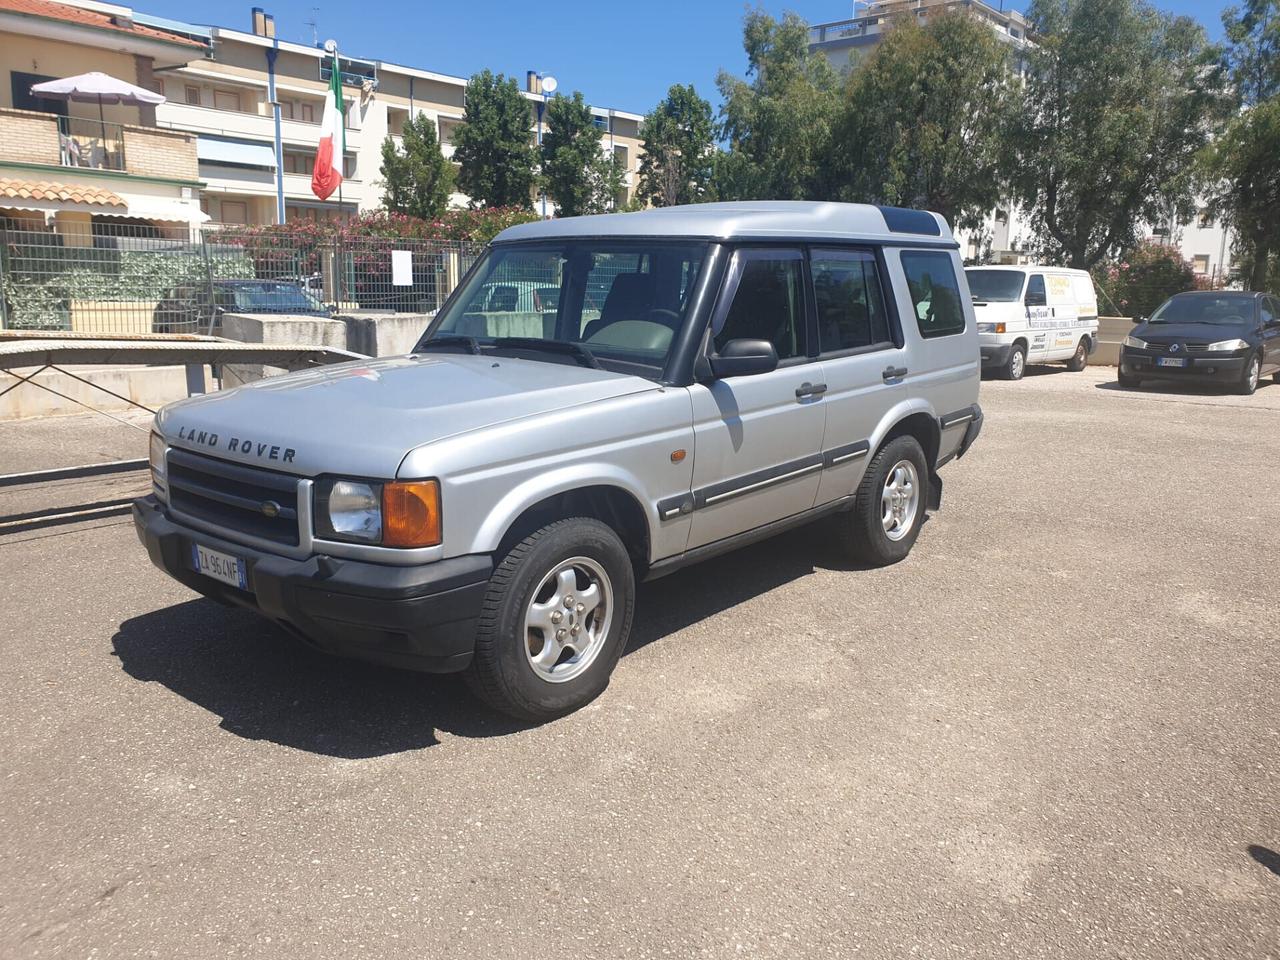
83 167
225 100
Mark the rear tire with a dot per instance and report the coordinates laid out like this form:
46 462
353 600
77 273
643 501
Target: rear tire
1252 374
889 507
1016 365
1080 359
576 577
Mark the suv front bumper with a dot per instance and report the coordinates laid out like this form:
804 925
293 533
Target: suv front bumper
420 618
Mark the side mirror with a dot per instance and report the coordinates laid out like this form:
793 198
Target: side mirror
742 358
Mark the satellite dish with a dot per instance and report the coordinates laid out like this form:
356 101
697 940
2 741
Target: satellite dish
331 46
549 84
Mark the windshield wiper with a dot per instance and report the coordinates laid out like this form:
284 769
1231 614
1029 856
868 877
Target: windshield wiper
450 340
581 354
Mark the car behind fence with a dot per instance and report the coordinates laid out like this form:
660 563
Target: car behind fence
133 279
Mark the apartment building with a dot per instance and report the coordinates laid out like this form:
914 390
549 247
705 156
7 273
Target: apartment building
1006 231
75 167
225 100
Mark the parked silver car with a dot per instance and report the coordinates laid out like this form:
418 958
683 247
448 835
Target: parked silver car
488 503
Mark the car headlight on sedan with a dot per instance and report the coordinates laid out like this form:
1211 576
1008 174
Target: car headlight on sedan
1224 345
1135 343
396 514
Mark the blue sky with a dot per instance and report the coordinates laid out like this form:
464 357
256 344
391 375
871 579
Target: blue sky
620 55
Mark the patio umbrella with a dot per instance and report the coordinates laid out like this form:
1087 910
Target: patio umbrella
88 87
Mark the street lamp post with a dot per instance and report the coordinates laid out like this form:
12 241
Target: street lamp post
546 85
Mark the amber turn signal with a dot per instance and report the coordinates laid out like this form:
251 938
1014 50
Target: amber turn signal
411 514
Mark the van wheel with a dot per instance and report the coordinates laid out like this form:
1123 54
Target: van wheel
1016 365
1080 359
889 507
554 621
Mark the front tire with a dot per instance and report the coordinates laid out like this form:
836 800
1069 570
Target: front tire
554 621
1016 365
1252 373
1128 380
1080 359
889 507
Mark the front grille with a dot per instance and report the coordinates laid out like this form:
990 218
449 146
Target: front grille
1183 346
231 496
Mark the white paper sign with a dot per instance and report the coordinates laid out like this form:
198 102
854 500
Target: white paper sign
402 268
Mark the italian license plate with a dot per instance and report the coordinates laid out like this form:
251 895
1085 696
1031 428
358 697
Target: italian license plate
1170 362
219 566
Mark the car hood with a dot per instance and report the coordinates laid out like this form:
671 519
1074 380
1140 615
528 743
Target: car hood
1194 332
361 418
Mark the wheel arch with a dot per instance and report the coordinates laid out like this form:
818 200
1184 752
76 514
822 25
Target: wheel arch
608 501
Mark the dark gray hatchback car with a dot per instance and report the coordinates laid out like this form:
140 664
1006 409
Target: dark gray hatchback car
1227 337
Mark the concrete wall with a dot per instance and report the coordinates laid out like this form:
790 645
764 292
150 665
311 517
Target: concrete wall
150 386
384 334
277 329
1111 332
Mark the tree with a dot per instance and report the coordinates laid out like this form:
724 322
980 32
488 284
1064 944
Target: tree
494 145
1119 100
1242 162
778 123
679 149
418 180
925 120
576 172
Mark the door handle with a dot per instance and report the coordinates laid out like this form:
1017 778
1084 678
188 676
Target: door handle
894 373
808 389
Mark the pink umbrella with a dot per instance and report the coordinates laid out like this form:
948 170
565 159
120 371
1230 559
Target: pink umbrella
88 87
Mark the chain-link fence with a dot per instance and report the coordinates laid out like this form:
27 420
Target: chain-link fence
120 278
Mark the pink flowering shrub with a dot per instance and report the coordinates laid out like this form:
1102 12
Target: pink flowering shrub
1143 279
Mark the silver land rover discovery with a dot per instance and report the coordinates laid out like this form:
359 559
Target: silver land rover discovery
693 379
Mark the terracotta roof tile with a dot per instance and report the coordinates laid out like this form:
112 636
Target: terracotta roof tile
57 192
91 18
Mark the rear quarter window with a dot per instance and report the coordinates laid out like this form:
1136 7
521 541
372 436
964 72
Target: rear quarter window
935 293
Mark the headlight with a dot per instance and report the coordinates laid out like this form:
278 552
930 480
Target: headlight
390 514
991 328
1135 343
155 454
1236 344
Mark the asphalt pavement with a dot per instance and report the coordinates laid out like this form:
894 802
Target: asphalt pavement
1051 732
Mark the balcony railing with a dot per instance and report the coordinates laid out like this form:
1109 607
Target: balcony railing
89 143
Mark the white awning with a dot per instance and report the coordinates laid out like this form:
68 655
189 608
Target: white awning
240 153
163 209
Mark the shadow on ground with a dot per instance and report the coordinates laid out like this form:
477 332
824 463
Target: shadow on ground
267 686
1268 858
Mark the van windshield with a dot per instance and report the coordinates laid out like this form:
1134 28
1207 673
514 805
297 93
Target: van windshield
1000 286
616 305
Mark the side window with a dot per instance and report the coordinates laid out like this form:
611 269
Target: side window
935 293
768 305
1035 291
1268 309
849 300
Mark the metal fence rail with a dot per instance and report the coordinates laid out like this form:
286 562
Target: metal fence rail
125 278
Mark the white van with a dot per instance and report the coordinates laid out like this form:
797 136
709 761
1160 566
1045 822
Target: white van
1033 315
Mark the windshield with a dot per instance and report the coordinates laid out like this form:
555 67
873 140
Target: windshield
1226 309
999 286
615 305
268 297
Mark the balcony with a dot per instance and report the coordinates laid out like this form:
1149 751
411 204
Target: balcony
91 143
88 145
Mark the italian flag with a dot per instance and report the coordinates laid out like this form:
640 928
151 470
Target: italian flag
327 176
